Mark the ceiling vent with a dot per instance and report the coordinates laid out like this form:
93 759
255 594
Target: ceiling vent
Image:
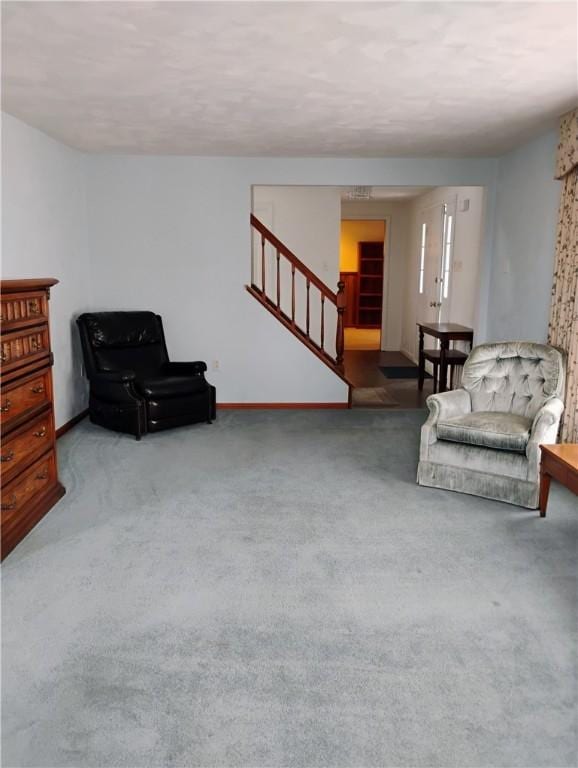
360 193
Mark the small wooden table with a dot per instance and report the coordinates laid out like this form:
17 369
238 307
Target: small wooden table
445 332
561 463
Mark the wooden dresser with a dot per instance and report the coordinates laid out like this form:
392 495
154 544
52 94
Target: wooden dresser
29 476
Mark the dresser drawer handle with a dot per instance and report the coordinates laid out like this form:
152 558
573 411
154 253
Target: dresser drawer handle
34 344
11 505
3 357
40 433
6 407
37 390
7 456
33 307
43 475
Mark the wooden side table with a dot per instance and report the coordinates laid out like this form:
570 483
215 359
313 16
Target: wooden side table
561 463
445 332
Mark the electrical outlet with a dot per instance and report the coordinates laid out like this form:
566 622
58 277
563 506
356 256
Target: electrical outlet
215 365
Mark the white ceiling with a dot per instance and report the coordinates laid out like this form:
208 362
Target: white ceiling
283 78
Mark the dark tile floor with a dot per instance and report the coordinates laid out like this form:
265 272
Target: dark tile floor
362 369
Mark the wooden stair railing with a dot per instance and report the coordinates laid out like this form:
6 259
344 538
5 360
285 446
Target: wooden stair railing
273 304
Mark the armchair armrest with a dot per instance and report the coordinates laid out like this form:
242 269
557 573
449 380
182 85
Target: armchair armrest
544 430
116 386
445 405
196 368
114 376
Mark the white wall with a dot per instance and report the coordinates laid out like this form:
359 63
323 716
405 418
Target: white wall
467 299
396 254
465 268
307 221
524 241
44 234
172 233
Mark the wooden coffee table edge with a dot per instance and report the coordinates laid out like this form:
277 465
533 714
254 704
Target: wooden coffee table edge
555 455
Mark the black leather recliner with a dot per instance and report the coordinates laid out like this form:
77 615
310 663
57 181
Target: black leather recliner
134 387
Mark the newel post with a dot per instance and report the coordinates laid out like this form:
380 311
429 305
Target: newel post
339 342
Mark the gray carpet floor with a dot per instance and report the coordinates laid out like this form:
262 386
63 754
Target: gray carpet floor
275 590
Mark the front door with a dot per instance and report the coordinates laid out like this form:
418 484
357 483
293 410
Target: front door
431 249
445 275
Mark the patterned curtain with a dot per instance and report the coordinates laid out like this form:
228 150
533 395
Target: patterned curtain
563 327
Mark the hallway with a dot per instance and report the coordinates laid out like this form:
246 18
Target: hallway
372 389
362 338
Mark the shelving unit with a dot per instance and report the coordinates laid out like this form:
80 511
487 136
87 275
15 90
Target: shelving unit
370 296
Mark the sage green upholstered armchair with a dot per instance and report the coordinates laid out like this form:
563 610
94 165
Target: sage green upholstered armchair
485 438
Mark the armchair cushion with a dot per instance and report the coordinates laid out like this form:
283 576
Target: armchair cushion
153 387
489 429
123 329
515 376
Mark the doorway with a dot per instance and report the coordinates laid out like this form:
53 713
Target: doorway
361 269
436 244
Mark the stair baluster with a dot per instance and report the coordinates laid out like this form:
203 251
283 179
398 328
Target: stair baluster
273 302
293 293
322 321
263 262
339 340
307 317
278 281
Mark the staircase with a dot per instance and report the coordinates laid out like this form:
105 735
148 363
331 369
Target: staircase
300 300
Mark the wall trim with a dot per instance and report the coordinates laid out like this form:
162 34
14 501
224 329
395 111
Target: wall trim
279 406
72 423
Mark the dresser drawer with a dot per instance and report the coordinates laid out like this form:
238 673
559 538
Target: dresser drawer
20 347
23 490
24 396
20 310
25 444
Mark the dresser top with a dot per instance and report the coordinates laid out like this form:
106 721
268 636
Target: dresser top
21 286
